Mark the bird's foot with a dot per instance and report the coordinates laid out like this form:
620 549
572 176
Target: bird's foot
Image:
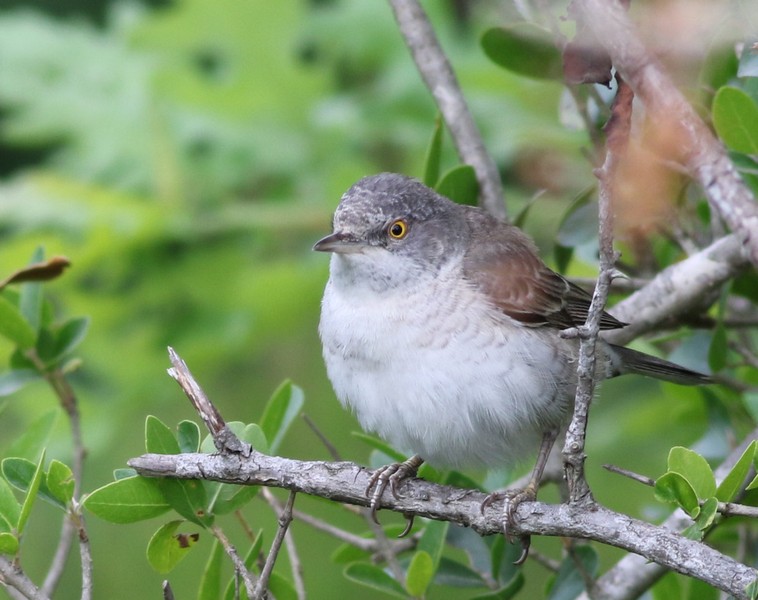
391 475
511 501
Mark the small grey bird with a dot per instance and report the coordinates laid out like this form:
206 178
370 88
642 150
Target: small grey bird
441 331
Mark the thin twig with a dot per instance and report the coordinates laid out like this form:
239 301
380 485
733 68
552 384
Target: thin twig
330 448
630 474
259 592
239 566
85 553
17 581
296 566
439 77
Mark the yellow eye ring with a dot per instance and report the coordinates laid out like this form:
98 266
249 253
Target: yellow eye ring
398 229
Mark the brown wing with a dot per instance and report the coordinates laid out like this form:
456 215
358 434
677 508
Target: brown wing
507 268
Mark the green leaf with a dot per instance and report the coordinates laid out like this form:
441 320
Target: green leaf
694 468
378 444
673 488
375 578
433 155
31 493
30 300
8 544
67 337
189 498
20 474
167 548
460 185
10 509
347 553
210 582
14 326
454 574
668 588
281 588
506 592
751 589
232 497
753 484
128 500
188 436
718 350
285 404
13 380
730 486
569 582
34 439
708 512
433 540
60 481
420 574
524 49
123 473
159 439
735 117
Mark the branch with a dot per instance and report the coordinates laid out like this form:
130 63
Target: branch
347 482
440 79
703 154
632 575
285 518
15 580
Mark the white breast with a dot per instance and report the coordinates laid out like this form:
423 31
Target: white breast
436 371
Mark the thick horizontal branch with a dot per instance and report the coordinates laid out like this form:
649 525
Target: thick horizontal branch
679 289
346 482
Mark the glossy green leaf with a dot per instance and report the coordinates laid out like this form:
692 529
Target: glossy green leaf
188 436
14 326
20 473
10 509
30 299
60 481
210 582
731 484
525 49
67 337
569 582
31 493
674 488
375 578
735 117
460 185
167 548
232 497
123 473
281 588
455 574
159 439
13 380
752 589
708 512
128 500
420 573
433 155
32 442
694 468
8 544
433 540
281 410
510 590
189 498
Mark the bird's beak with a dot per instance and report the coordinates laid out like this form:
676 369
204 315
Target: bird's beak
341 243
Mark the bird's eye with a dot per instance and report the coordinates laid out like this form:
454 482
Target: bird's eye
398 229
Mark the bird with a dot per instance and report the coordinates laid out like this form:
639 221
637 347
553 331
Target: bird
441 330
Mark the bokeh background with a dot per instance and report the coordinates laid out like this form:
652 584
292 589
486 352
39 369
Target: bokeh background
186 155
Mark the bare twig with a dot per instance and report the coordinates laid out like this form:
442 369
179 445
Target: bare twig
704 156
17 583
239 566
346 482
630 475
440 79
85 554
168 593
330 448
223 437
617 130
259 593
295 564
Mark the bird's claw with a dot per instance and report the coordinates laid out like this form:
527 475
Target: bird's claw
390 475
511 501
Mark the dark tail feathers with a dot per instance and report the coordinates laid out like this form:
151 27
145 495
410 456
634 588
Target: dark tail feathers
632 361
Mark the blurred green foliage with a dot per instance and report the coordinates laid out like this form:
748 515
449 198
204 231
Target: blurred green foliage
185 157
